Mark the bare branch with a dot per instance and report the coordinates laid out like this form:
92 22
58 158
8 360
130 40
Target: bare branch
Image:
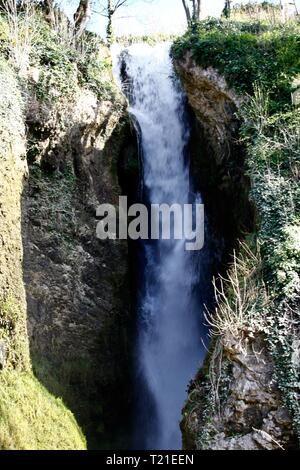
187 11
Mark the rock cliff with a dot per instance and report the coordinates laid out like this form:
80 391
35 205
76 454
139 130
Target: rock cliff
22 397
217 158
234 402
76 285
71 290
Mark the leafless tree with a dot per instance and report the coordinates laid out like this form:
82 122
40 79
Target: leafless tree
59 21
108 10
82 16
192 10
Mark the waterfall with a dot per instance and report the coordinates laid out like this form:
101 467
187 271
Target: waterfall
169 348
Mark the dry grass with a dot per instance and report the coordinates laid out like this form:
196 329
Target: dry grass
237 297
238 316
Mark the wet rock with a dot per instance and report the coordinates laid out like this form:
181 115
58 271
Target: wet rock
217 157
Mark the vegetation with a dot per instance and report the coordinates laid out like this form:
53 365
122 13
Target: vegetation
11 122
273 165
247 53
13 338
62 61
260 62
32 419
47 65
151 40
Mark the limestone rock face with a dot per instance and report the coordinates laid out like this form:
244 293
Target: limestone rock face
212 101
253 412
64 294
13 171
233 402
217 158
77 285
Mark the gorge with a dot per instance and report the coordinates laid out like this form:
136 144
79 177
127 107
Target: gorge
131 344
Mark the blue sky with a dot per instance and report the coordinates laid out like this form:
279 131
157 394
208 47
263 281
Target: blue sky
149 16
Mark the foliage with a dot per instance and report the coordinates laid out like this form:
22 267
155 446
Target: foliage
257 11
273 165
64 67
63 64
151 40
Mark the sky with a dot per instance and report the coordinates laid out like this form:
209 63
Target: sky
146 17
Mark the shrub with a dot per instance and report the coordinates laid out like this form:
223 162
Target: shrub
246 54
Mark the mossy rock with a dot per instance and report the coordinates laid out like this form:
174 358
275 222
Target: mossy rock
32 419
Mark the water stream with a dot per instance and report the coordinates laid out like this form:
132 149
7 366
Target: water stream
168 345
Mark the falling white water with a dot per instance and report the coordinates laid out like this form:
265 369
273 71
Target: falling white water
169 343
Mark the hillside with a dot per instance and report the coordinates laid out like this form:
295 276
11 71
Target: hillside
99 338
256 66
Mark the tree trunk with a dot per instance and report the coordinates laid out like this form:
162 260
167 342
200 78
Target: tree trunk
82 16
49 11
109 28
227 9
196 10
109 31
284 5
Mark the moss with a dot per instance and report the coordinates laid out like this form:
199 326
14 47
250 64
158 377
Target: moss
13 334
52 199
11 110
74 381
32 419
